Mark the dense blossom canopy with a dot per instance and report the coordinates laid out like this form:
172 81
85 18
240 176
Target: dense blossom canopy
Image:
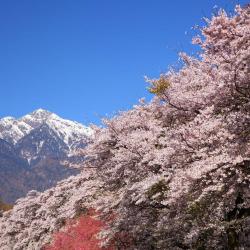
175 171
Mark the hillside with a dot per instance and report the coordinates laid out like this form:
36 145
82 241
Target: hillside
170 174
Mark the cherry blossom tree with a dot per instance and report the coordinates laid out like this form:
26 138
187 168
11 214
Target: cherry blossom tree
198 123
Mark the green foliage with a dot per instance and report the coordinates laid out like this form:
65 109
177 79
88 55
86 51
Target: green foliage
198 209
195 209
160 188
159 86
232 238
201 243
4 206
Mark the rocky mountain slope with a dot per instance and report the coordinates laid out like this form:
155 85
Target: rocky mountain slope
32 150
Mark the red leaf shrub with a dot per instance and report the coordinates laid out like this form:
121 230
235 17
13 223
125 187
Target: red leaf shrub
79 234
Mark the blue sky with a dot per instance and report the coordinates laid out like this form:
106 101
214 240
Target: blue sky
84 59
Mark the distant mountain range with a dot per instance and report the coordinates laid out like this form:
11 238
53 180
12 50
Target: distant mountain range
32 150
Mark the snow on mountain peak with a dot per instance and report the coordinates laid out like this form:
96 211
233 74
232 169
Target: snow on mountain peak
8 118
41 113
37 117
70 132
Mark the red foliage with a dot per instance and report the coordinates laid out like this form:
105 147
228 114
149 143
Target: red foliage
79 234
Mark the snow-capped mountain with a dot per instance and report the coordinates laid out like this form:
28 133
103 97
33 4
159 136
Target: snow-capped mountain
12 130
41 141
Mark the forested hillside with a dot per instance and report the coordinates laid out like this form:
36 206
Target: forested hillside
170 174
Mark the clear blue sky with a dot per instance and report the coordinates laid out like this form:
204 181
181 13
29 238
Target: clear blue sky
83 59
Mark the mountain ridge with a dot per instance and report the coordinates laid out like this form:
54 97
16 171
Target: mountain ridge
33 148
13 129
